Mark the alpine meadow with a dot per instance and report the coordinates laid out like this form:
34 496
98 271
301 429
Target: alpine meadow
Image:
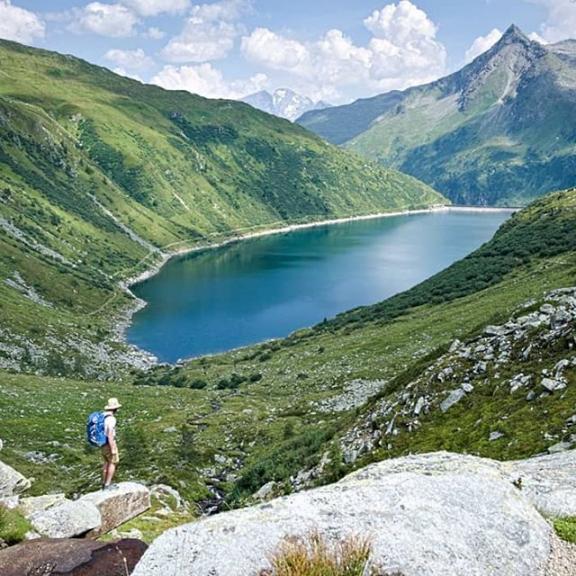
429 430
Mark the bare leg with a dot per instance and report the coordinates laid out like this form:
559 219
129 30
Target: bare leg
104 473
109 473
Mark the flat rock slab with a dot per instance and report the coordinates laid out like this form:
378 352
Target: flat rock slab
11 481
424 518
118 505
32 504
71 558
548 481
66 520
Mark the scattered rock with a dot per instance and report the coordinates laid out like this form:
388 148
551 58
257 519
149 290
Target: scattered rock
355 394
454 397
71 558
266 492
553 384
420 404
519 381
559 447
495 436
41 457
164 493
560 318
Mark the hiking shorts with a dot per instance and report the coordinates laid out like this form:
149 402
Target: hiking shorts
108 456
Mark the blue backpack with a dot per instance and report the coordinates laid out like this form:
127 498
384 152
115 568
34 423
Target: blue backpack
95 429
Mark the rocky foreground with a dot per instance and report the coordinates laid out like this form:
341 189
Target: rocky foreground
62 538
429 515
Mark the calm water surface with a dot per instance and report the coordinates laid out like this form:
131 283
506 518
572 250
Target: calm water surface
268 287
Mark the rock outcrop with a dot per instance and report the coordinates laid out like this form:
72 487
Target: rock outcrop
425 515
534 332
66 520
93 514
11 481
117 506
71 558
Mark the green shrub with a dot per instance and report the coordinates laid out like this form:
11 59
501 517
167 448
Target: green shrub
285 460
198 384
13 526
566 529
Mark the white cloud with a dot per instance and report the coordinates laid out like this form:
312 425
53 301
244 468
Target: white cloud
537 38
123 72
275 51
18 24
402 51
482 43
403 22
208 34
155 7
154 33
113 20
207 81
129 59
560 22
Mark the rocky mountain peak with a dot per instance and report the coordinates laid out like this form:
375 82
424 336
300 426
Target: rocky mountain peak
283 102
508 59
514 34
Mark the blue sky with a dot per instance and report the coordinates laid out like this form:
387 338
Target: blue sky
327 49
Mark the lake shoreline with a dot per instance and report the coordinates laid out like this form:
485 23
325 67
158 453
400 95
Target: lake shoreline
123 320
167 256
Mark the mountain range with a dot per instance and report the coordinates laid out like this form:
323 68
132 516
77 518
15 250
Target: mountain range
101 177
498 132
284 103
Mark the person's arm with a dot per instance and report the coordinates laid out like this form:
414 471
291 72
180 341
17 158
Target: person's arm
111 435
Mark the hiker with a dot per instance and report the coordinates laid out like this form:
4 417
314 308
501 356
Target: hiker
110 448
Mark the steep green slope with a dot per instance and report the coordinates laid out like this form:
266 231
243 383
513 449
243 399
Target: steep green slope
494 133
228 424
101 177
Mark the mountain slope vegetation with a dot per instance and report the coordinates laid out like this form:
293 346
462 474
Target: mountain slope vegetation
493 133
308 408
101 177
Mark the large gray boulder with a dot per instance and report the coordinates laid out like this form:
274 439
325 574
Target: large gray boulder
11 481
66 520
117 505
426 515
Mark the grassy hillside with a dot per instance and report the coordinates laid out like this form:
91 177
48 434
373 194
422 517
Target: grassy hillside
493 133
101 176
307 408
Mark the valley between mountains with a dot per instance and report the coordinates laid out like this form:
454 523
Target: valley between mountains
103 178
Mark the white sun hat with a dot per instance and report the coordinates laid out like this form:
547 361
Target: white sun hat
113 404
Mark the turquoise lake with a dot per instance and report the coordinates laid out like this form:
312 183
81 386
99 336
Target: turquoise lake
267 287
